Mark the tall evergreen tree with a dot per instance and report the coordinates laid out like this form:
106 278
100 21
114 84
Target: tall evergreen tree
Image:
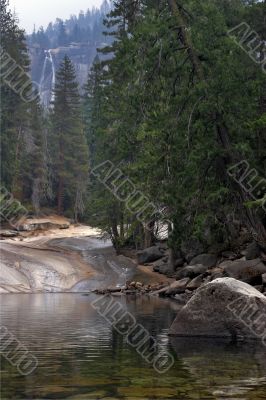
69 146
179 109
21 128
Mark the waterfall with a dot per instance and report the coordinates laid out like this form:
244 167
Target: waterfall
42 79
47 81
53 73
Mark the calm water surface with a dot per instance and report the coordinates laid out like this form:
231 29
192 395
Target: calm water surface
80 356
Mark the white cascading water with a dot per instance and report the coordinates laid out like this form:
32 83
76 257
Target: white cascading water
42 79
47 81
53 74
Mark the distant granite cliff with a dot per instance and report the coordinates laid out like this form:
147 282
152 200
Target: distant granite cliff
44 63
78 37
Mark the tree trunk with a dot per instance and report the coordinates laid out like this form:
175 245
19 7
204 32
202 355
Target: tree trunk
60 196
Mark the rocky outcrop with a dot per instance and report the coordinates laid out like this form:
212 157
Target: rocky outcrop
30 225
33 267
224 307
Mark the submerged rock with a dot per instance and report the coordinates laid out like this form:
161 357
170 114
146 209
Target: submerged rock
224 307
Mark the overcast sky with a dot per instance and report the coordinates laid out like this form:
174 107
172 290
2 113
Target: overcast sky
41 12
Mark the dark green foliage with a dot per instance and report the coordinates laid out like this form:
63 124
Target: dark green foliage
68 143
22 148
176 103
172 101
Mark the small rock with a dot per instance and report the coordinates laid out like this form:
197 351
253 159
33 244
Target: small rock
229 254
252 251
217 273
177 287
196 282
182 283
191 271
8 233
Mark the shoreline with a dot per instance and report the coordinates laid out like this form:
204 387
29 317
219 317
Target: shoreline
37 264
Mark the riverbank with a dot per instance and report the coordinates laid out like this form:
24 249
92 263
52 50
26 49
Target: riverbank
51 255
191 268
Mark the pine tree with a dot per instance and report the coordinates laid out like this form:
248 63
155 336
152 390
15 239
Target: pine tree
69 146
178 109
62 36
14 110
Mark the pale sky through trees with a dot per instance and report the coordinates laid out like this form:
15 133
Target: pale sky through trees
41 12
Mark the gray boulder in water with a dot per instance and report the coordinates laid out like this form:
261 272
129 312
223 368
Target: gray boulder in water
223 308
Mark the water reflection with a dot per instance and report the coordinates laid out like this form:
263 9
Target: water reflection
82 357
228 370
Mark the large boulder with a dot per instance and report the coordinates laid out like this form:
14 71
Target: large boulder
249 271
149 255
224 307
209 260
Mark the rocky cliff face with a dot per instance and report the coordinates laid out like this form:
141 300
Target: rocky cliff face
77 37
44 63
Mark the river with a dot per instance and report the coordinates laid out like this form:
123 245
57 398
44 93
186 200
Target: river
82 356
